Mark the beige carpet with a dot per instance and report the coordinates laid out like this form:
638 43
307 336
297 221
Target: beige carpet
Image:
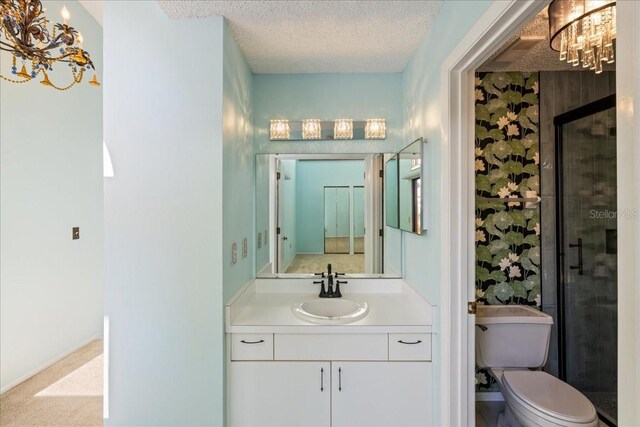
341 263
68 393
340 245
84 381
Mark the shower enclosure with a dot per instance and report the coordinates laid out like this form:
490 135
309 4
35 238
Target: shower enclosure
586 233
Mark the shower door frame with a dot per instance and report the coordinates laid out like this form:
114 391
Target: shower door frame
559 121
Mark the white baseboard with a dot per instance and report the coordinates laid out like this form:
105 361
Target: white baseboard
489 396
266 270
47 364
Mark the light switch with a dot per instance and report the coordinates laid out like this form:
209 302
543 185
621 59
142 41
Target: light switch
75 233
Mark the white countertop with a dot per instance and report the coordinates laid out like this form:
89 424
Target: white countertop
264 306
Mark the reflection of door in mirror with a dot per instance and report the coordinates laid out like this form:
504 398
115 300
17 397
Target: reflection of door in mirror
337 236
320 211
416 193
286 208
323 217
358 220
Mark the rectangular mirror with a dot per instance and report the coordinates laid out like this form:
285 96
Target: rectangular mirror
410 187
316 209
391 192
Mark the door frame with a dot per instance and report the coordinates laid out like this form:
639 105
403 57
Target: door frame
501 20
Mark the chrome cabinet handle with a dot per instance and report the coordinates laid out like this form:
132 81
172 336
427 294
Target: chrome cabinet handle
405 342
251 342
339 379
321 379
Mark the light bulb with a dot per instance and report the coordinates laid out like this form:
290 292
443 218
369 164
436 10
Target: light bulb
65 14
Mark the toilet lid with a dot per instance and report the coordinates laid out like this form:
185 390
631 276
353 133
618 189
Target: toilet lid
550 395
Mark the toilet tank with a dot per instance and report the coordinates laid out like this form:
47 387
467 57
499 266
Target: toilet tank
511 336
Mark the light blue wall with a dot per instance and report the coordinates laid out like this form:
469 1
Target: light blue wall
328 97
50 181
422 113
238 167
164 217
263 180
313 176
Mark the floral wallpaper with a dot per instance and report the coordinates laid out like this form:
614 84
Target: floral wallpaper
507 166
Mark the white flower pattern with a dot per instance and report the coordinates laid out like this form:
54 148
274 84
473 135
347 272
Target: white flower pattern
507 165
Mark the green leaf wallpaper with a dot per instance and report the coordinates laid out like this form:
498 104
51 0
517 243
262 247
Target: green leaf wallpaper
506 166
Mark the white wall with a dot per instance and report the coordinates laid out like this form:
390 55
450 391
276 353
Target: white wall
50 181
163 216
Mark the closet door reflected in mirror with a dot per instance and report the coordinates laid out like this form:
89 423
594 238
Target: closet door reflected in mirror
337 207
358 220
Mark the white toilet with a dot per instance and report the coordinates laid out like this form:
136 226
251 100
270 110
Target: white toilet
511 340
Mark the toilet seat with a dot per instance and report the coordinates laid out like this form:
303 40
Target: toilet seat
549 398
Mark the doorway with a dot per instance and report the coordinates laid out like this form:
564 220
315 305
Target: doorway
501 20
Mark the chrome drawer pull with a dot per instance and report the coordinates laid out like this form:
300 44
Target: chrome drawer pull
251 342
321 379
404 342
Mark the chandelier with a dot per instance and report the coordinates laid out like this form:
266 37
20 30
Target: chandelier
25 35
583 31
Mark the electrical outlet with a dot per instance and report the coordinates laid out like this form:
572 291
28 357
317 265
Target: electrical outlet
75 233
234 253
245 248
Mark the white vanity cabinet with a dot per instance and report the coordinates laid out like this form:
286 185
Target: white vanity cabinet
381 394
369 389
279 394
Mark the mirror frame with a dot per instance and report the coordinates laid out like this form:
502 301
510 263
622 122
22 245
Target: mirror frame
272 221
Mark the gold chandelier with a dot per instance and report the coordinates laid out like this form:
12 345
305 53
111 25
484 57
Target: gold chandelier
583 31
25 35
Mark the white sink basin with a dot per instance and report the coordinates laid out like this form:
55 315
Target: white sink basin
330 310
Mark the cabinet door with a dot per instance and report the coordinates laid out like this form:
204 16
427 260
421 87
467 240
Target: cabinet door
279 394
381 394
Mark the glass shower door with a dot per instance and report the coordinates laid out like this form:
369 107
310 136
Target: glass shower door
337 220
587 242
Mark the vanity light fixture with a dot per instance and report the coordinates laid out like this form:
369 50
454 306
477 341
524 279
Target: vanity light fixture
583 31
375 129
279 130
343 129
311 129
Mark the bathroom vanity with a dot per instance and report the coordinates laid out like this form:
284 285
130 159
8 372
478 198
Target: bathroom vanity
286 371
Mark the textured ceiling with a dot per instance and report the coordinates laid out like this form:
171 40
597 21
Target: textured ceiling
539 58
320 36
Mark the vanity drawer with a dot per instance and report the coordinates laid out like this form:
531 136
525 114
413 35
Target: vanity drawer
331 347
251 346
409 346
